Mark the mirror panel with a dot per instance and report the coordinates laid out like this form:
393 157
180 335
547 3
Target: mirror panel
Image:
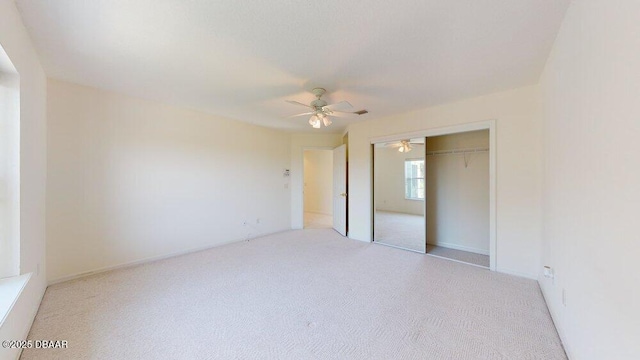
399 192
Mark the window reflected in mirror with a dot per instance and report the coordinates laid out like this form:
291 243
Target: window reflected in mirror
399 193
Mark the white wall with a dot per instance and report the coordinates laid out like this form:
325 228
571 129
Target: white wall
15 41
518 168
9 168
131 179
300 142
590 94
390 180
458 196
318 181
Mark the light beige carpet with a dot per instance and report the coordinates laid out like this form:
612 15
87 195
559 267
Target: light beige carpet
317 221
306 294
400 229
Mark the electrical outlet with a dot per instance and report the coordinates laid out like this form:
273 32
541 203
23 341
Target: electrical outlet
564 297
258 221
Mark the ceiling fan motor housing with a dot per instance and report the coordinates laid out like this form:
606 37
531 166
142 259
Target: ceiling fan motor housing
318 104
321 109
318 92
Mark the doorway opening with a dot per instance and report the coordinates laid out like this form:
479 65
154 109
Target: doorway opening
318 189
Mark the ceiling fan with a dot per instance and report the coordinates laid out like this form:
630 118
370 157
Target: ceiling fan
321 111
404 146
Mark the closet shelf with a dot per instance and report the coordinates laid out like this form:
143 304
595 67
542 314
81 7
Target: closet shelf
457 151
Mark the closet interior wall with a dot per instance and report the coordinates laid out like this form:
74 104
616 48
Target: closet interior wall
457 191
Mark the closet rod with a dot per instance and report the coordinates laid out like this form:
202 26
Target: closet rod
457 151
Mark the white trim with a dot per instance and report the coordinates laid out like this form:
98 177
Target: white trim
517 273
459 261
446 130
461 248
12 287
316 213
435 256
493 217
397 247
556 324
152 259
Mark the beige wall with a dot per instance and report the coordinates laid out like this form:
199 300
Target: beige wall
112 200
318 181
9 168
389 188
518 165
458 195
131 179
33 166
590 90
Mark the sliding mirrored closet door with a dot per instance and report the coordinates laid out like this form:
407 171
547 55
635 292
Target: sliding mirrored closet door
432 195
399 194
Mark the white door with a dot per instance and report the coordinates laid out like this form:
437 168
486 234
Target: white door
340 189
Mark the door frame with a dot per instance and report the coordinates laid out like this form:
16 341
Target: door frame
301 158
448 130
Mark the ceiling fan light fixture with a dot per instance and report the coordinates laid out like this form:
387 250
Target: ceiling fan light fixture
321 111
405 146
315 122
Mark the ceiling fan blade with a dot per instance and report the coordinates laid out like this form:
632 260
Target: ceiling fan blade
298 103
344 105
336 114
307 113
393 145
342 113
359 112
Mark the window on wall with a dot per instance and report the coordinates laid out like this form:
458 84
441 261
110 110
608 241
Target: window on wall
414 179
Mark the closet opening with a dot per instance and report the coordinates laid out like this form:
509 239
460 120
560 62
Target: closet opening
434 193
457 193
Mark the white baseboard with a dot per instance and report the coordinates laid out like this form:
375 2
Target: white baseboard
151 259
319 212
461 247
517 273
458 261
556 324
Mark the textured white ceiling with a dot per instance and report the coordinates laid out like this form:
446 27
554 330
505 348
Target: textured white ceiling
242 59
